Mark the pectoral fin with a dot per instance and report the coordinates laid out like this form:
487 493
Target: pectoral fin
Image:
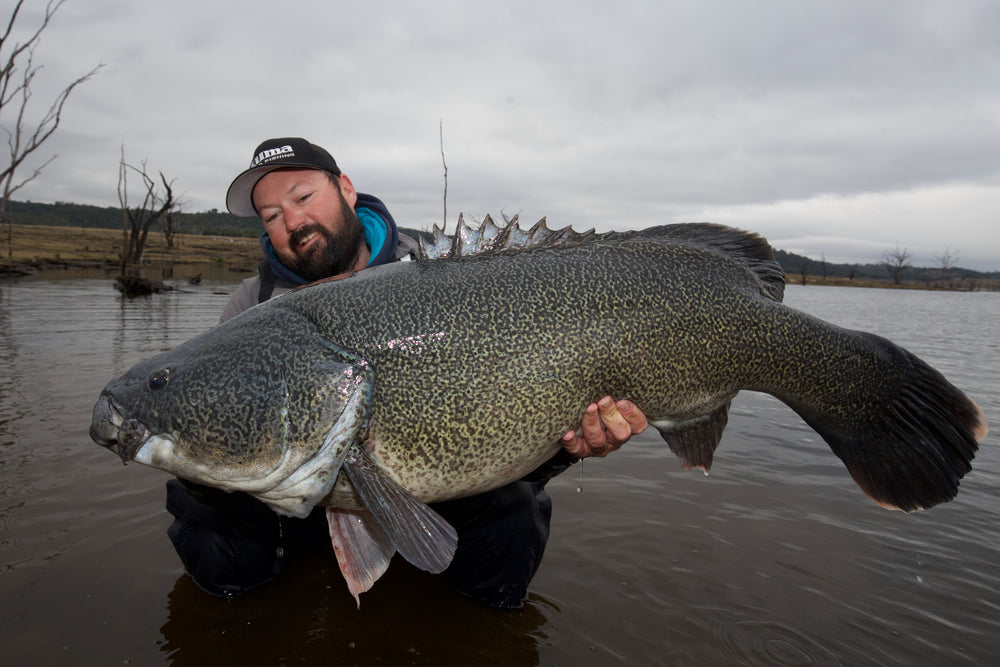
419 533
363 550
694 440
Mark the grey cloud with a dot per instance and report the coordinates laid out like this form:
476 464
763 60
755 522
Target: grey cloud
597 114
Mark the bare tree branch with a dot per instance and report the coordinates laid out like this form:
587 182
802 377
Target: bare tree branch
946 262
895 262
137 220
17 72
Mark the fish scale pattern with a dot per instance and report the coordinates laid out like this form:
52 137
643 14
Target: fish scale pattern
460 370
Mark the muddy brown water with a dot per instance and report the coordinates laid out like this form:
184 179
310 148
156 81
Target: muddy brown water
775 559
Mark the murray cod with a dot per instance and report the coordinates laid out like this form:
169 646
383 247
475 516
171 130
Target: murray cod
458 372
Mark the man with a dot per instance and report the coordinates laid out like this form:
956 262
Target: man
316 225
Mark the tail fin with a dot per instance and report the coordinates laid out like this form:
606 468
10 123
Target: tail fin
915 437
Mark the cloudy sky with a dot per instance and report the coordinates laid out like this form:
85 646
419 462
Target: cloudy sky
836 129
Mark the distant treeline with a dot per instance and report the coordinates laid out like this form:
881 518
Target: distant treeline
62 214
216 223
211 223
794 265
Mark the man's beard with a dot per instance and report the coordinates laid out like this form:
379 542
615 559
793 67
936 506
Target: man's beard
339 252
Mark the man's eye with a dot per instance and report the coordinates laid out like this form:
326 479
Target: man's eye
304 198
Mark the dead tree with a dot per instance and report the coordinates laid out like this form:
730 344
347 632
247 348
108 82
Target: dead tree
946 263
170 222
17 73
137 220
168 228
895 262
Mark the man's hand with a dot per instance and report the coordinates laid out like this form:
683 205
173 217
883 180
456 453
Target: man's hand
606 426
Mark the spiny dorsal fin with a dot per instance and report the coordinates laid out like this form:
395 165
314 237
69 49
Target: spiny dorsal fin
752 250
489 237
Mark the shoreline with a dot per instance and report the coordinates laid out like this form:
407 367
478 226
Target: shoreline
38 248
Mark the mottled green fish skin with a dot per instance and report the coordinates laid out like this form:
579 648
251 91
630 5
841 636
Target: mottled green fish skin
520 343
478 365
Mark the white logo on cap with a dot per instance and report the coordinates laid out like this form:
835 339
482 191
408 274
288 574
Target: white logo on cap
273 153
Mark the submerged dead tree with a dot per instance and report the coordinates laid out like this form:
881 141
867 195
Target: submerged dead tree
157 203
137 220
169 232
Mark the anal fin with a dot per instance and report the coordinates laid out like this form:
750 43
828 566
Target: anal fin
363 550
416 531
694 440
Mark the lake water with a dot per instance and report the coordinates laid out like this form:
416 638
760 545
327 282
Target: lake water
777 558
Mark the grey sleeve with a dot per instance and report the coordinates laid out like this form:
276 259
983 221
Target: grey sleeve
243 298
407 246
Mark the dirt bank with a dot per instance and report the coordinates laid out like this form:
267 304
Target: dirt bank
51 247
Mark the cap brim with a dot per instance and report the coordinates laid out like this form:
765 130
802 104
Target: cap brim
239 197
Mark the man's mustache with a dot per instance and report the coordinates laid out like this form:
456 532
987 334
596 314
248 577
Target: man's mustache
304 232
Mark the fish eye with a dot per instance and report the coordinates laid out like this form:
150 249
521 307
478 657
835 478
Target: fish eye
159 379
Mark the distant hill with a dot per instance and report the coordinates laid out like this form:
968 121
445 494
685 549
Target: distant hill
216 223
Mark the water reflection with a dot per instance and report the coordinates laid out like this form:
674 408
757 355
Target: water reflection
415 614
8 359
144 324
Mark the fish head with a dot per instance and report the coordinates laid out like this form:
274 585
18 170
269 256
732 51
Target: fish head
268 414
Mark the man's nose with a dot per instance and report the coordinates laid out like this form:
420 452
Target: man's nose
294 218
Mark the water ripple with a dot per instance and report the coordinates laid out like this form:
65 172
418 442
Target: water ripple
775 558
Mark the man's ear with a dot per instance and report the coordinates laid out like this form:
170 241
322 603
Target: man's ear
347 190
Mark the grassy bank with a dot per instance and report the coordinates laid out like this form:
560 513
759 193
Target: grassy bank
44 247
40 247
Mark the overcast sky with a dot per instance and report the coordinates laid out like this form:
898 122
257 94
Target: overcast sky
836 129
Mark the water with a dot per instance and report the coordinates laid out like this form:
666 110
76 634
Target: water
775 559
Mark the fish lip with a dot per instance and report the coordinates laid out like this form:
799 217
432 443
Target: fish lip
110 429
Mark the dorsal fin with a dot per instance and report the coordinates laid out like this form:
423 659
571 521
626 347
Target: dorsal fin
752 250
748 248
489 237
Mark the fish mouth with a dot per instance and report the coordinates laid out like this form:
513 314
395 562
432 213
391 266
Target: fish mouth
110 429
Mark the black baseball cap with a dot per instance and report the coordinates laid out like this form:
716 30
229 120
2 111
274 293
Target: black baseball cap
271 155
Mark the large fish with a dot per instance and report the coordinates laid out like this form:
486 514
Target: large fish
457 373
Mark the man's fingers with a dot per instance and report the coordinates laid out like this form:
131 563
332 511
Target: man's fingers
591 439
616 428
575 445
592 428
605 426
635 417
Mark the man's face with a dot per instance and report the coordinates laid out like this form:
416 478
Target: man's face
311 221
